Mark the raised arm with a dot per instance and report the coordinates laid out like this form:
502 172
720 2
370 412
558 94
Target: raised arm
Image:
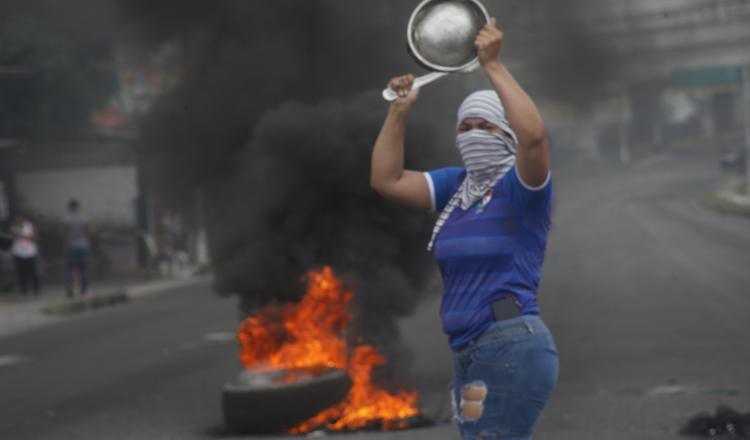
387 175
533 146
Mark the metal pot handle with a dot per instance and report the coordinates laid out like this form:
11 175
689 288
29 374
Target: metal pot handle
421 81
390 95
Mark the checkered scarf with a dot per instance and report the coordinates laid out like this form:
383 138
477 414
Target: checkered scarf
487 156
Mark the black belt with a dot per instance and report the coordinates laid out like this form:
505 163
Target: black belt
505 308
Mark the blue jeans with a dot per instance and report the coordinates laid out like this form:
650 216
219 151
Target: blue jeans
503 379
76 259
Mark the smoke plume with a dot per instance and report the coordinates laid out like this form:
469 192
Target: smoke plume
558 48
302 200
270 122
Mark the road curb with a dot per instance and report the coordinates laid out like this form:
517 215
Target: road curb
154 287
94 302
727 200
118 296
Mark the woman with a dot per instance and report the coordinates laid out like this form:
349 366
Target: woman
25 253
489 243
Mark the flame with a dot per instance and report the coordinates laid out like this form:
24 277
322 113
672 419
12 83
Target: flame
307 337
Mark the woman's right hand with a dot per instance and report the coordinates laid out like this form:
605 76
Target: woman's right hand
406 96
387 174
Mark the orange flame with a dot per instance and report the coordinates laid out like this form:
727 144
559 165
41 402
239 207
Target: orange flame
307 336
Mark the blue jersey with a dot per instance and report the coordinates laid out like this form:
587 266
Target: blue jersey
486 256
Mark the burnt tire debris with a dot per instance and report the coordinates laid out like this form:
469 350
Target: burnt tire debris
726 422
275 407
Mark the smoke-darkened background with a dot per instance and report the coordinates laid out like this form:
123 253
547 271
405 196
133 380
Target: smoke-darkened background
270 122
234 138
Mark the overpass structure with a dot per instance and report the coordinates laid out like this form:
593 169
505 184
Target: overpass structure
656 38
639 39
614 64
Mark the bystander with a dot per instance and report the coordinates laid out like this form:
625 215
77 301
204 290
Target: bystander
25 252
77 246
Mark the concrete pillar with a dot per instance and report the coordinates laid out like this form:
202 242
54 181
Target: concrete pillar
746 121
201 241
625 118
587 135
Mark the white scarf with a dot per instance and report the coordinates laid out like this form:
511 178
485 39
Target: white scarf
487 156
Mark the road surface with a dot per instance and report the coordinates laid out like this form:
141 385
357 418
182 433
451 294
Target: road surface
646 292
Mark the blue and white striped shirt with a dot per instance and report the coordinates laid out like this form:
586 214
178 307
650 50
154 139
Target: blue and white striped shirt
486 256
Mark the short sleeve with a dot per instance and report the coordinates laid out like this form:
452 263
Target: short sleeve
523 194
443 183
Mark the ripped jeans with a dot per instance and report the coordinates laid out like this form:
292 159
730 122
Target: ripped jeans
503 379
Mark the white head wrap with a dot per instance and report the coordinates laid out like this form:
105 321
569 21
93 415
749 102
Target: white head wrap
488 156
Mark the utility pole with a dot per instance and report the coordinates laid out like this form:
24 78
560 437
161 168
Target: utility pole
625 119
746 123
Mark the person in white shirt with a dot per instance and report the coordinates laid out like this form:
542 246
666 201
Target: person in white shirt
25 252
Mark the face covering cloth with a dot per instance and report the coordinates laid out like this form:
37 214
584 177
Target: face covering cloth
487 156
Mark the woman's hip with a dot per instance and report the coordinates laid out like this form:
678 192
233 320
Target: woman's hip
513 366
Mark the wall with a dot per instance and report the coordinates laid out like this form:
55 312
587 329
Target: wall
107 194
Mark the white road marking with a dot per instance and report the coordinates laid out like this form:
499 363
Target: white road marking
219 337
676 390
10 360
207 340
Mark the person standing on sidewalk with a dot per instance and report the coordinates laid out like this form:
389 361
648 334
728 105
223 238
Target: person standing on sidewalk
77 246
25 252
489 242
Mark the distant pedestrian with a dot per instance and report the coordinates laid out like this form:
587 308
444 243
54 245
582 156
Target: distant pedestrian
173 257
25 252
77 247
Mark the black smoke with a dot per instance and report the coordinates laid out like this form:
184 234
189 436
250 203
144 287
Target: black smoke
560 49
302 200
240 59
273 121
270 122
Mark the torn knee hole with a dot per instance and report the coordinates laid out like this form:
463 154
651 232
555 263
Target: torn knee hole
472 400
475 392
472 410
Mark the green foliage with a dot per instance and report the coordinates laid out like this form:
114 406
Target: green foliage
24 44
50 82
723 205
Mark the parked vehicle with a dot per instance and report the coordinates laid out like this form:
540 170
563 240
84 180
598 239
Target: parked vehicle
735 159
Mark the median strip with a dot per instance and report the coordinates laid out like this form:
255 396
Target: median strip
9 360
79 305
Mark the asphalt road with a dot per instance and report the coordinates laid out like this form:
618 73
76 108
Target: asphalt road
151 369
647 294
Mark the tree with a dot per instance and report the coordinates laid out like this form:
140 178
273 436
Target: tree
50 82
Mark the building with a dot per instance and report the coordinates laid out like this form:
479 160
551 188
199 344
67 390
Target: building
631 77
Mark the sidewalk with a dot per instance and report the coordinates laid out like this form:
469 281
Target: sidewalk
730 193
20 313
729 198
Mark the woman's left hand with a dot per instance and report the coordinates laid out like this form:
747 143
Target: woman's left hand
488 42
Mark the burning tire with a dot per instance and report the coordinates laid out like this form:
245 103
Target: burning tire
257 404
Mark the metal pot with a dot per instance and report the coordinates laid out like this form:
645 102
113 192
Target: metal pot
441 33
440 37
